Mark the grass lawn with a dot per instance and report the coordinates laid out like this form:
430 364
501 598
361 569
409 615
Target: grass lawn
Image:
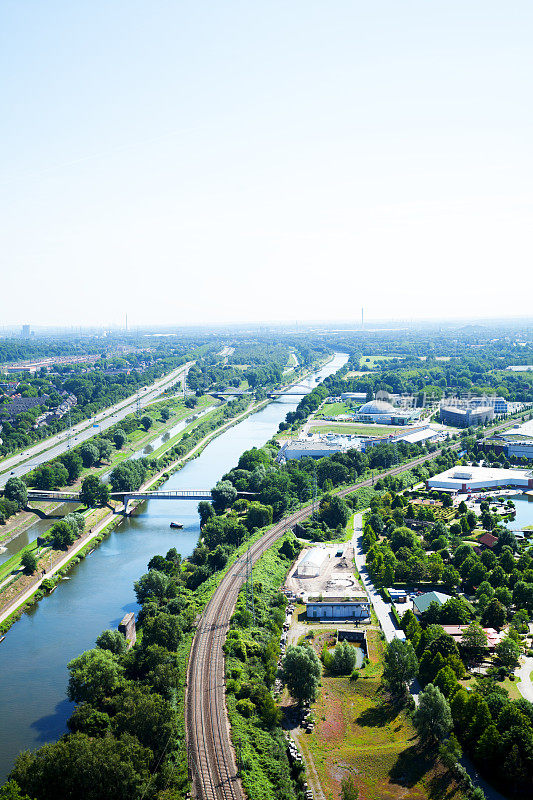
359 733
333 409
354 428
511 687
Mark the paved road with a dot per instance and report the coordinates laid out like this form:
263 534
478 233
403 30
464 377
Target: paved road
525 687
56 445
382 609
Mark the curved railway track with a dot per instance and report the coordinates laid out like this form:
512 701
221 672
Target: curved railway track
211 756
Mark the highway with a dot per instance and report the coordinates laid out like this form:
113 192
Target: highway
211 756
56 445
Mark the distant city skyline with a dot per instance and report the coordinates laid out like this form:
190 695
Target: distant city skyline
238 162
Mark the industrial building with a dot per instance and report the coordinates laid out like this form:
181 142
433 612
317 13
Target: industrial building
317 446
468 479
311 563
463 415
499 404
515 442
338 610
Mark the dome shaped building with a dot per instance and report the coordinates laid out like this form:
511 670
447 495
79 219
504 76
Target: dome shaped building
374 407
381 411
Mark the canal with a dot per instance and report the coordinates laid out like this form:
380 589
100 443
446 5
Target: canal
99 591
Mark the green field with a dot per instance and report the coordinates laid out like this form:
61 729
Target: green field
354 428
333 410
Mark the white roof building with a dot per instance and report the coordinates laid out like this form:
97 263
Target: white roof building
464 479
311 563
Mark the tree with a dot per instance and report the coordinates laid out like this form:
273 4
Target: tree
206 511
105 449
344 659
494 615
508 652
29 561
224 495
446 681
73 464
101 768
93 491
473 642
401 665
111 640
148 717
146 422
16 490
454 612
93 675
89 454
300 671
151 584
62 534
334 511
258 516
119 438
450 577
11 791
450 751
165 414
433 718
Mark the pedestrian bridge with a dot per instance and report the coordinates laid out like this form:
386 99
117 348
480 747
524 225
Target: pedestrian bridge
156 494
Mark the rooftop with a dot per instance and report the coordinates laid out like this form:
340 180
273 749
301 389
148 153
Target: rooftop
423 601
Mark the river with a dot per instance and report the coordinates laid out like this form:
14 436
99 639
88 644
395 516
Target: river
35 653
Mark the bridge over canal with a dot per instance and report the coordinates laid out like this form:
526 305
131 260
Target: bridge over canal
126 497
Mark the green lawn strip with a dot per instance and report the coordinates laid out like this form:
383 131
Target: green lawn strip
13 563
353 428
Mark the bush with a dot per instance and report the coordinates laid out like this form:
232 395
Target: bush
245 707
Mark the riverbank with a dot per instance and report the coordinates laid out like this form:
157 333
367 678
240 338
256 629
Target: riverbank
100 592
12 611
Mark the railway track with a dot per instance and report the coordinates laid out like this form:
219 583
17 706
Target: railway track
212 762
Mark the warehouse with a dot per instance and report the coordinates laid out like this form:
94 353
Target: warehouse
338 610
311 563
467 479
317 447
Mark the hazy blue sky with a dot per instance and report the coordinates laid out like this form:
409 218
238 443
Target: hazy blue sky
228 161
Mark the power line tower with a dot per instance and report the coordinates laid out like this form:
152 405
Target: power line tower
138 405
315 495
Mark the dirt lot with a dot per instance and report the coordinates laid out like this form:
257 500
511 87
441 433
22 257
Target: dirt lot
336 579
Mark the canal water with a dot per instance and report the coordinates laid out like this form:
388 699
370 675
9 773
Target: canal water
35 652
40 526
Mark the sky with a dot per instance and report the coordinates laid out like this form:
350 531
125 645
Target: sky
213 162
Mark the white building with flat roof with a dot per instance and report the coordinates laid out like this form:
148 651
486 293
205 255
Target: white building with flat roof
465 479
318 446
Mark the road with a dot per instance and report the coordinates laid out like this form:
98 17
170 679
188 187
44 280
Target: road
523 673
56 445
211 756
382 609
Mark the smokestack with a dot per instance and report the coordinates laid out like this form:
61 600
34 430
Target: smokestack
362 318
